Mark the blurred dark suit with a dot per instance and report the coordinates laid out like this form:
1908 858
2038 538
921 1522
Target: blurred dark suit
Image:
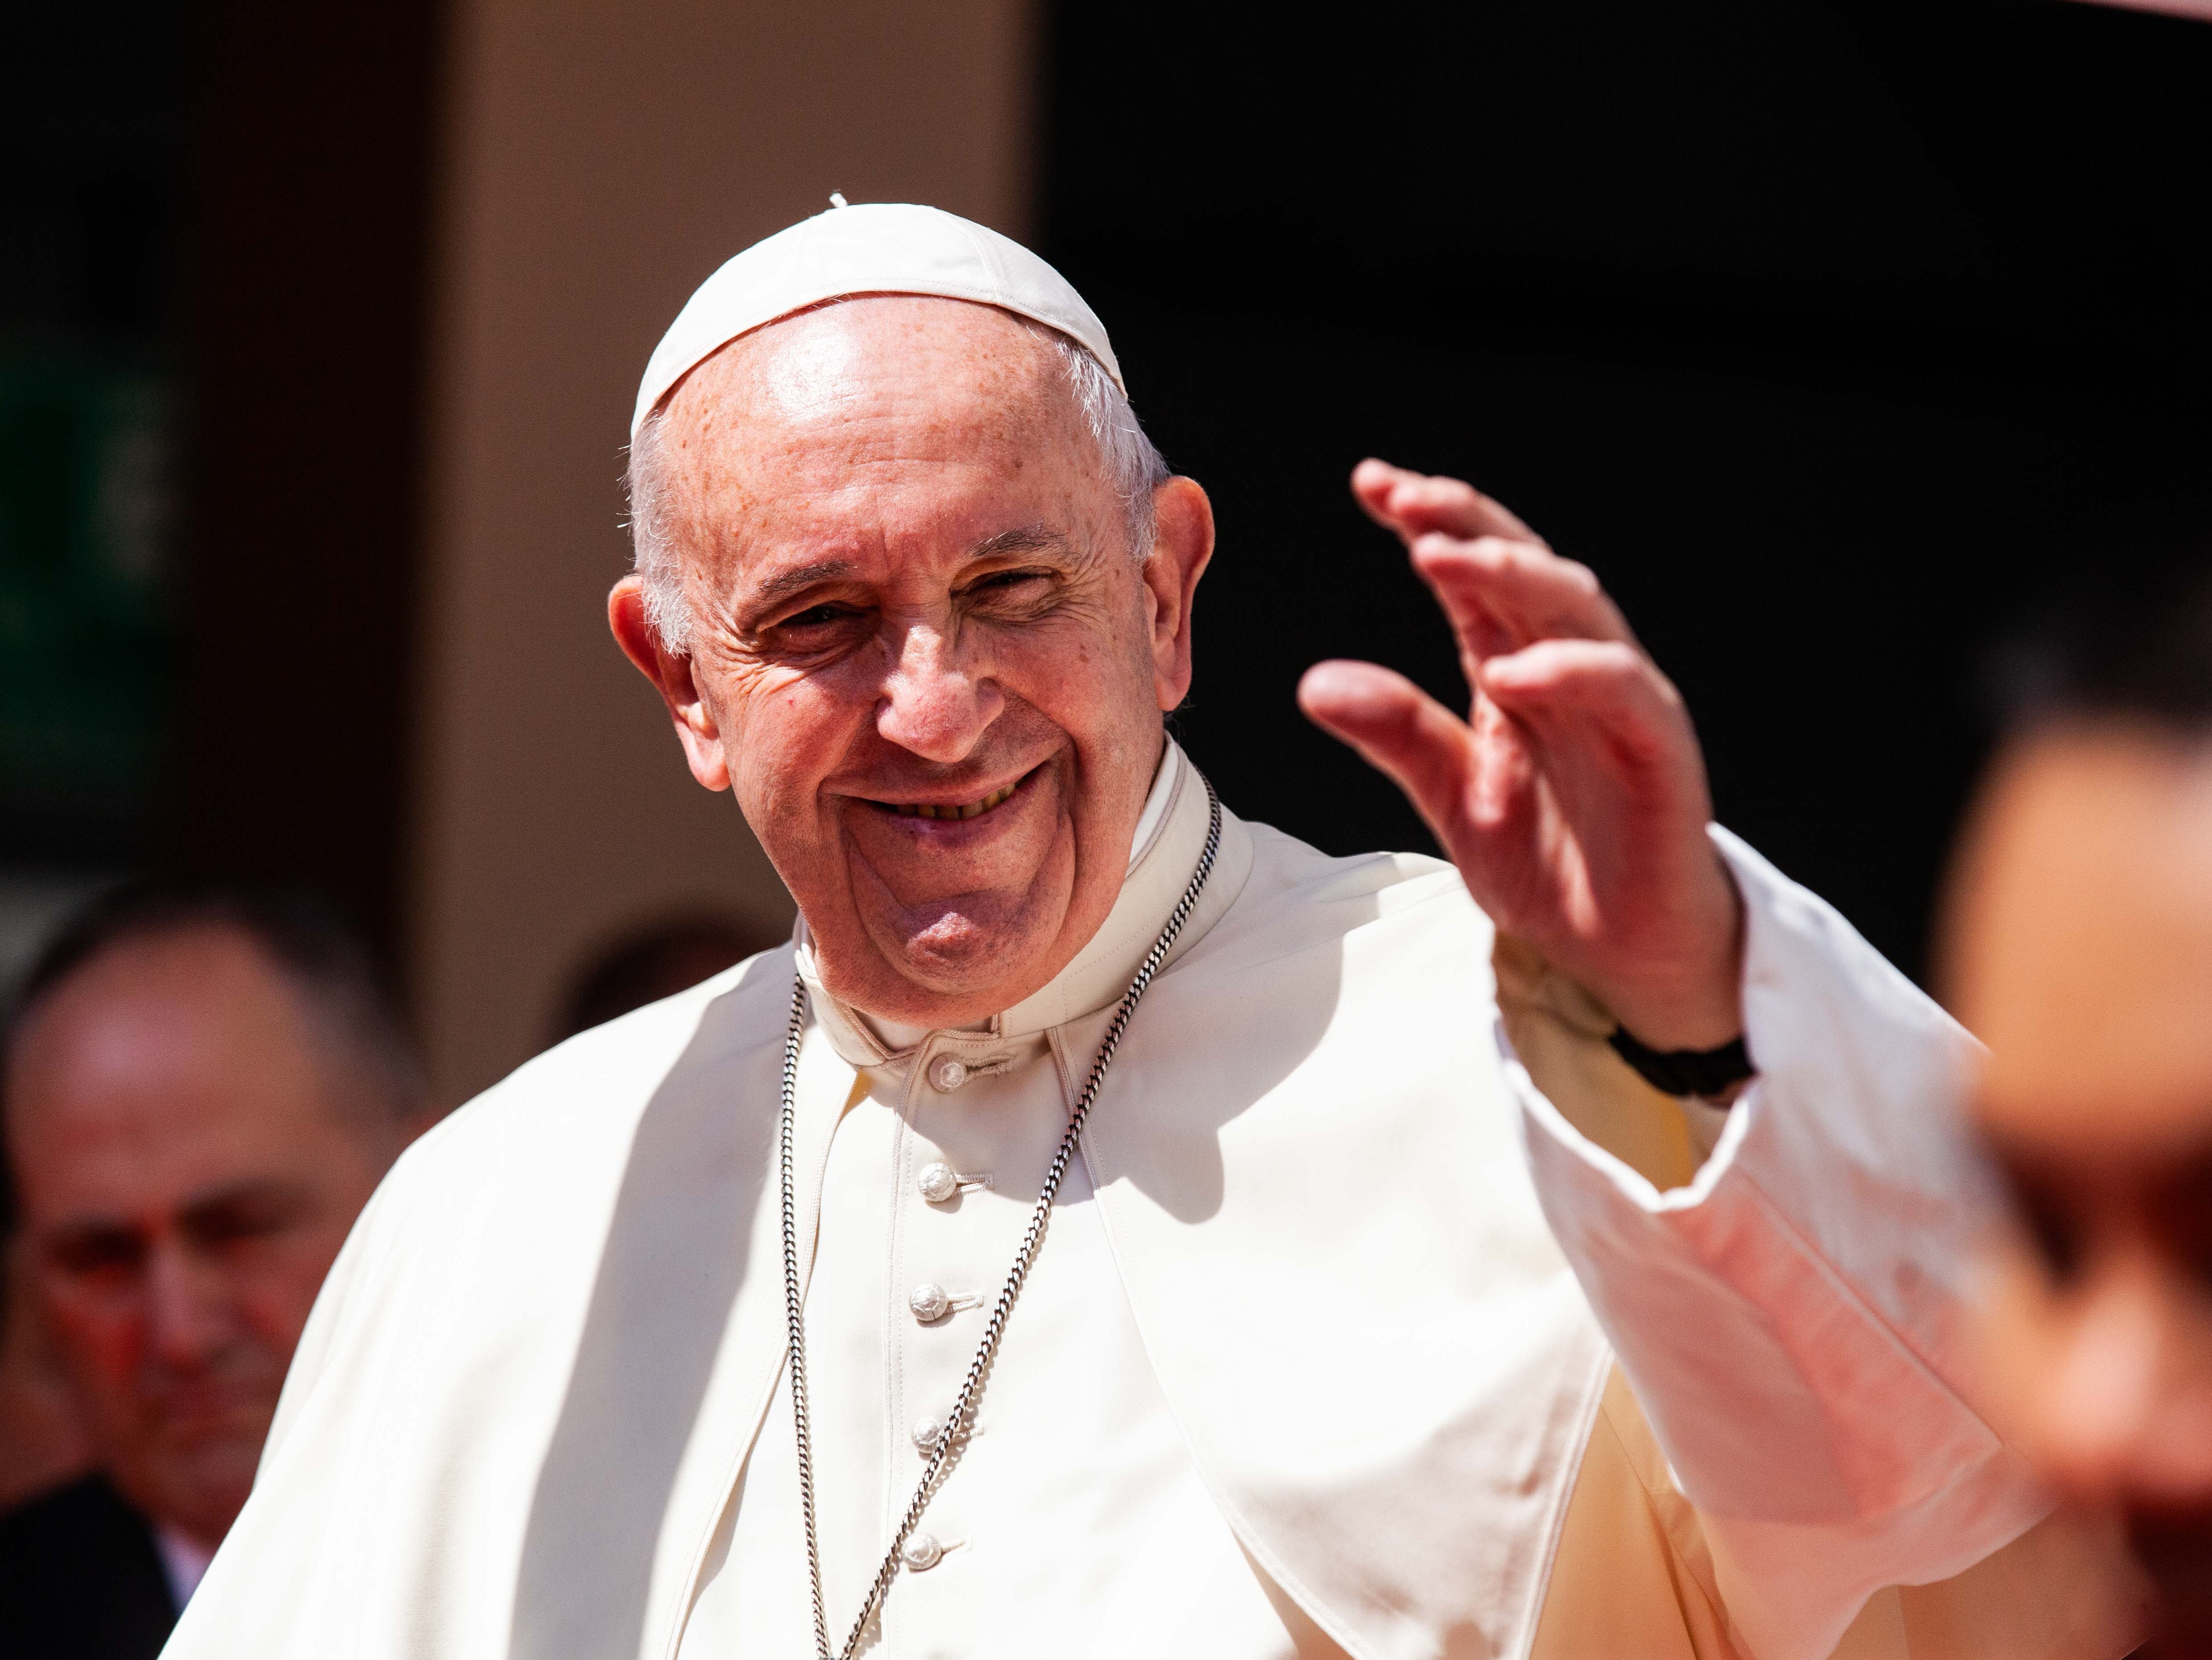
81 1578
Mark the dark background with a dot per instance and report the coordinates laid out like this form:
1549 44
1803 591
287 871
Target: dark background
1828 333
1820 328
214 277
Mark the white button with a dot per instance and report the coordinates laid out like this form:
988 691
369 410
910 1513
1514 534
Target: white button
938 1183
928 1301
947 1074
921 1552
925 1432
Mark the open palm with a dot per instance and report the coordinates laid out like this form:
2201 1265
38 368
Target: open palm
1573 796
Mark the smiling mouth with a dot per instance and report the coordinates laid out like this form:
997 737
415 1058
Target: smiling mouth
953 809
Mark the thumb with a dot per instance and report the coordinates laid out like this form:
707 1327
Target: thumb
1398 729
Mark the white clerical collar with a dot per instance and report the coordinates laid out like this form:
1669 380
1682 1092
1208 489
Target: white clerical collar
1170 833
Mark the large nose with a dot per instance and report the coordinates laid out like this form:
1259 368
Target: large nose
187 1314
936 701
2121 1408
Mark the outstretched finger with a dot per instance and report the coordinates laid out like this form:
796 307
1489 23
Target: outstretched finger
1398 729
1602 688
1414 503
1502 595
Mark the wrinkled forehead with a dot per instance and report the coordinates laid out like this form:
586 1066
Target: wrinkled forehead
164 1063
156 1005
2079 944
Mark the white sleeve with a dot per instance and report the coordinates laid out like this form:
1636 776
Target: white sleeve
1790 1316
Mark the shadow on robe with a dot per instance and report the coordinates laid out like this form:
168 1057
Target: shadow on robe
700 1165
1238 1014
1219 1032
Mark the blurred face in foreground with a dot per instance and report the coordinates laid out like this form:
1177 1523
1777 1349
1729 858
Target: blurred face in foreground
922 651
2081 950
188 1165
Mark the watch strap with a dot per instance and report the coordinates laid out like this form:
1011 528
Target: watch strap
1709 1072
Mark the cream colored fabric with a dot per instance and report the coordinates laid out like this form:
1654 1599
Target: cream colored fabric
1372 1268
882 247
1635 1573
1074 1441
1634 1577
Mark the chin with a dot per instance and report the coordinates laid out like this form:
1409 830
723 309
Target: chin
970 966
203 1482
966 950
2175 1548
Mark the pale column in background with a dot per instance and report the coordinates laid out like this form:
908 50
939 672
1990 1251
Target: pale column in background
602 159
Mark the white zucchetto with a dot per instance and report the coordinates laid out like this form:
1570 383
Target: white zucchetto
883 247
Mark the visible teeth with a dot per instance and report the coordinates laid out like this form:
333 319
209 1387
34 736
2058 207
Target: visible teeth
950 811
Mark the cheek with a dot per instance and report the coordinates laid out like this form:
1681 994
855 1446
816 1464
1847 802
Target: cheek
2013 1330
99 1338
779 736
1091 672
270 1286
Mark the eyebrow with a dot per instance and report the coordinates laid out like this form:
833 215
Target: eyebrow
1029 539
1026 538
252 1190
803 576
276 1190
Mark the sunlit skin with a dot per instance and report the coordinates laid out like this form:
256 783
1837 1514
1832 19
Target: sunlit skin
910 588
1573 796
188 1164
2079 946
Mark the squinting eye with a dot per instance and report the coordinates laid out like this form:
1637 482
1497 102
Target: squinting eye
1004 580
2057 1236
816 617
100 1254
2054 1236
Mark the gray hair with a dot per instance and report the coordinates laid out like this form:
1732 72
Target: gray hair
1133 465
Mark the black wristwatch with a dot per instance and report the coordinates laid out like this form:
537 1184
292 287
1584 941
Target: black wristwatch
1709 1072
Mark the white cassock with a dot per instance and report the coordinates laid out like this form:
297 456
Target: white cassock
1347 1336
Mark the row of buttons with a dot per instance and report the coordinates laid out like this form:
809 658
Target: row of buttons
924 1551
938 1183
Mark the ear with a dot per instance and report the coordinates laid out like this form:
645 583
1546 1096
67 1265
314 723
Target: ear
671 674
1181 544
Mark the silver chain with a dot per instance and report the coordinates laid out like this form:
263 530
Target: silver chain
964 1407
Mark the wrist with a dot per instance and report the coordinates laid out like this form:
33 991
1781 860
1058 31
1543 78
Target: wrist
1717 1074
1688 998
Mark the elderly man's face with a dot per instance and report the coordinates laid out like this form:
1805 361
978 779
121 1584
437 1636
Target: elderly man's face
186 1177
2080 951
922 653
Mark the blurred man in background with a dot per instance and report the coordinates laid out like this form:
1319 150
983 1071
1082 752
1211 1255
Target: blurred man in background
2079 946
202 1088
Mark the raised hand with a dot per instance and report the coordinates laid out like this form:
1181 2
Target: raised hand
1573 798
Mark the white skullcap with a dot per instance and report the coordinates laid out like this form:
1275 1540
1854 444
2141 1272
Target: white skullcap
883 247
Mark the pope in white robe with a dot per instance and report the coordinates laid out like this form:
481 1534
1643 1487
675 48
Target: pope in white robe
1384 1308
